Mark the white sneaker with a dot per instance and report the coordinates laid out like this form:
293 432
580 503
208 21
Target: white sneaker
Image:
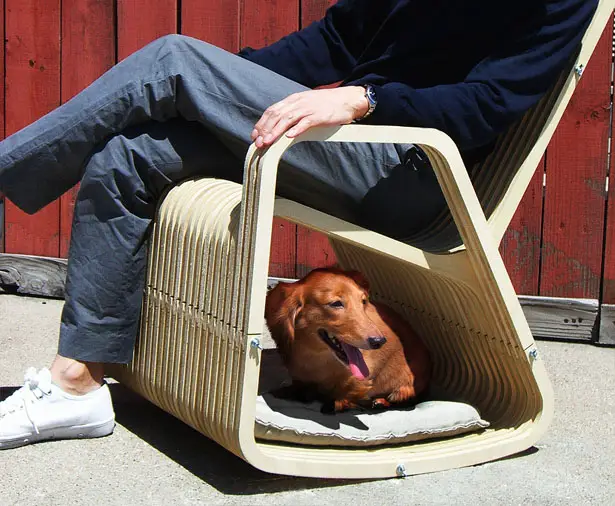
40 410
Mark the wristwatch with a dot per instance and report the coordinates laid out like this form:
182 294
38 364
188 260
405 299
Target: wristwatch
370 95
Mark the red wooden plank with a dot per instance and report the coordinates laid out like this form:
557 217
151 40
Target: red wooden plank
88 50
575 186
214 21
520 246
608 288
264 22
313 10
313 248
32 89
2 118
141 21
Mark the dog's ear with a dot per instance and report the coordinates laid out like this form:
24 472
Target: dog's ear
283 304
359 279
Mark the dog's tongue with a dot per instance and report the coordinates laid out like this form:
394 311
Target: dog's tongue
357 365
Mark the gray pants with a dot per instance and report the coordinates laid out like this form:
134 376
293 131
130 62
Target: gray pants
176 109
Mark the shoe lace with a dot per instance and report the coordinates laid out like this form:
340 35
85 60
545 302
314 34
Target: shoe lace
24 397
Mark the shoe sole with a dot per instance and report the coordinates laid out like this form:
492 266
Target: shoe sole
75 432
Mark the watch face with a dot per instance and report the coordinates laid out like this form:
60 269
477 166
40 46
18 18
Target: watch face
371 94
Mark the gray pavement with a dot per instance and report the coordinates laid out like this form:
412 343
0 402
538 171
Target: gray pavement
154 459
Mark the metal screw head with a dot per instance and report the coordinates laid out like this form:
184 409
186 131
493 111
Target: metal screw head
256 343
401 470
533 354
578 70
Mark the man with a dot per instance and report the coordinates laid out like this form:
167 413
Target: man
180 108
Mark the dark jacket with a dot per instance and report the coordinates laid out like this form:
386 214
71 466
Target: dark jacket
469 67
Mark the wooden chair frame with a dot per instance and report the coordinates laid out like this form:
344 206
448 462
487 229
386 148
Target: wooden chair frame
199 351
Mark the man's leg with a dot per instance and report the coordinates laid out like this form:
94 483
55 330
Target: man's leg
121 186
178 76
117 199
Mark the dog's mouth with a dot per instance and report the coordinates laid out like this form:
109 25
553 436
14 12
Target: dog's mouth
347 354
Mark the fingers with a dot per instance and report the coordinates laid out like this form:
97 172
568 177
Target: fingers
284 120
302 111
276 120
281 116
302 126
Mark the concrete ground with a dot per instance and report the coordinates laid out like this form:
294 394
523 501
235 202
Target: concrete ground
154 459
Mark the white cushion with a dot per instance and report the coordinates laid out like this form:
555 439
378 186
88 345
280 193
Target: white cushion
291 421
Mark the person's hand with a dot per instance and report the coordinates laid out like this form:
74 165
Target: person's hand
302 111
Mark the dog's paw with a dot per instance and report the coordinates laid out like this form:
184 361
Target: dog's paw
343 405
380 403
401 395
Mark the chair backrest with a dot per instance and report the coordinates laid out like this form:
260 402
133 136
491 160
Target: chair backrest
517 152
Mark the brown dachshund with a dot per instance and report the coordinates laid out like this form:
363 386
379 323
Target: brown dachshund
339 346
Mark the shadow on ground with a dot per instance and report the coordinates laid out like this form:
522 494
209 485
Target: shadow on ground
199 455
202 457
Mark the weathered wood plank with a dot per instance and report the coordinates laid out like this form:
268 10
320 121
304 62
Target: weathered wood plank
561 318
141 21
313 251
88 50
520 248
32 80
2 118
264 22
607 324
608 281
33 275
313 10
214 21
575 186
1 224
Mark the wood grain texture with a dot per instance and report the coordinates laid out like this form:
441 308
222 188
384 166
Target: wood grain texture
32 89
561 318
575 187
608 287
313 248
33 275
313 10
520 248
88 50
264 22
607 324
2 118
313 251
214 21
141 21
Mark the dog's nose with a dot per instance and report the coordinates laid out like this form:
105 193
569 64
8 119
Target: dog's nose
376 342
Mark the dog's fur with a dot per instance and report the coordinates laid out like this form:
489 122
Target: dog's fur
335 303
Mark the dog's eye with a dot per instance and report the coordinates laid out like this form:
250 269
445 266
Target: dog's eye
364 301
336 303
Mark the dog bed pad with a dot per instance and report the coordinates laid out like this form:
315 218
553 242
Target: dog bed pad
279 419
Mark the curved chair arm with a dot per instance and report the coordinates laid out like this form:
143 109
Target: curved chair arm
259 195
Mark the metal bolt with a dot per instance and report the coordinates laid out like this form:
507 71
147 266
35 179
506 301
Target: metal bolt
578 70
534 354
256 343
401 470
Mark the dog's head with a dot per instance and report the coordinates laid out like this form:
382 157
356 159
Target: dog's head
328 306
